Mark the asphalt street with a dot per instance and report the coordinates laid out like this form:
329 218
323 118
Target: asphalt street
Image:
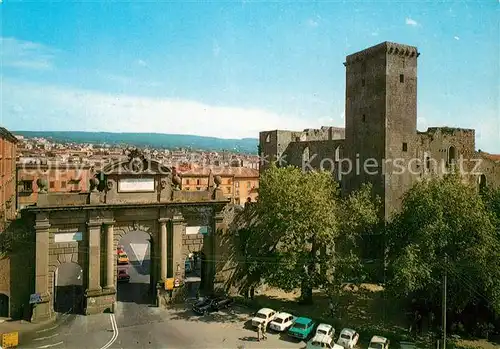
137 324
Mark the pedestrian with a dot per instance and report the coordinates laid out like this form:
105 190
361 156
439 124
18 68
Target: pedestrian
264 329
259 332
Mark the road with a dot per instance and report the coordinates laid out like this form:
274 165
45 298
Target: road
137 324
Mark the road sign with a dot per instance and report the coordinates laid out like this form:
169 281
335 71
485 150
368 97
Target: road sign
177 283
169 284
10 340
35 298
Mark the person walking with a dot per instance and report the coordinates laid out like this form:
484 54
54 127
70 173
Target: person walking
264 329
259 332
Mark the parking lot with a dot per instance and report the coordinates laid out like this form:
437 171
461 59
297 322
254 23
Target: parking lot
226 329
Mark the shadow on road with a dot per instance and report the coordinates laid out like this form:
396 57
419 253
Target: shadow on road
248 339
139 293
184 312
142 268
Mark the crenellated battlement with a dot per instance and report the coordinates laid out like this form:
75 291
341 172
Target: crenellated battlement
387 47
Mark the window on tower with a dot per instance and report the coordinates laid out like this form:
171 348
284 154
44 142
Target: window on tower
363 82
405 146
401 78
363 118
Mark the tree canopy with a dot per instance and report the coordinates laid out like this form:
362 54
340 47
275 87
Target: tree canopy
445 227
305 232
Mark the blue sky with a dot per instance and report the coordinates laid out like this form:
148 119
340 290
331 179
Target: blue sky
231 69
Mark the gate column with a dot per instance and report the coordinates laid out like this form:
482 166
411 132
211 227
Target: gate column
43 310
110 256
163 249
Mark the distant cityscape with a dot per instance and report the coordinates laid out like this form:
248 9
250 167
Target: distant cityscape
67 164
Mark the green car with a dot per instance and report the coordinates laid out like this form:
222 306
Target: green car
302 328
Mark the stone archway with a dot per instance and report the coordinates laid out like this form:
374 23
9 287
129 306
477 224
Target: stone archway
68 288
4 305
135 270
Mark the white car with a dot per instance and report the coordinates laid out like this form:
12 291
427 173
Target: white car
281 322
379 342
325 329
264 317
322 341
348 338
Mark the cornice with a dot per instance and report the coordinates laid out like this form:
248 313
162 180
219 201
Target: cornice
390 48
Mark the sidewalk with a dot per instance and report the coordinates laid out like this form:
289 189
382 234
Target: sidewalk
23 327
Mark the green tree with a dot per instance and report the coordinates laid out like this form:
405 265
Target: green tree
491 198
444 226
308 230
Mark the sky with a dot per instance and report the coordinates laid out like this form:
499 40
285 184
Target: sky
231 69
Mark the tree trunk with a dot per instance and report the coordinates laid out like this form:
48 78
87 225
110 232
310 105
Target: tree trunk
308 281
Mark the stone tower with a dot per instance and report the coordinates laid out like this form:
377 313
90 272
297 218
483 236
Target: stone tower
381 120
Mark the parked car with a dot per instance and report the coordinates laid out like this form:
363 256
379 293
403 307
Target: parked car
378 342
211 304
348 338
123 275
326 330
281 322
264 317
322 341
407 345
302 328
203 306
122 257
219 303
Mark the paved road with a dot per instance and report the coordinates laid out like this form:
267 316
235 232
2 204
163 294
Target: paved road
136 324
138 289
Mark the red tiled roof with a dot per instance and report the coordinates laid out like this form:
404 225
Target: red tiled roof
225 171
493 157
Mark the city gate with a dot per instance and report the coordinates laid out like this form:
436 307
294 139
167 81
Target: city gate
136 194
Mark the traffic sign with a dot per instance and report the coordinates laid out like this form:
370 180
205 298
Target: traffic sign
169 284
177 283
10 340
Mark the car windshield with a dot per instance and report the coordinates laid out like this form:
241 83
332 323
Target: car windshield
376 346
345 336
322 332
300 326
278 321
261 316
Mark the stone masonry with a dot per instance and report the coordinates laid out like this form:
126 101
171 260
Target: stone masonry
381 134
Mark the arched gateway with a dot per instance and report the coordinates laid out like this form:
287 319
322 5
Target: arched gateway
136 194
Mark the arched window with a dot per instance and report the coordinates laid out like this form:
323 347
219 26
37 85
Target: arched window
452 155
338 153
482 182
305 154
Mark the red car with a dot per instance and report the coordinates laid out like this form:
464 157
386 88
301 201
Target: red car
123 275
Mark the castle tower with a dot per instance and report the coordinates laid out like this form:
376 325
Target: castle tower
381 119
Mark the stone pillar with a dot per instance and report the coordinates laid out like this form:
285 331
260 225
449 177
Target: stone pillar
94 254
43 310
163 249
212 251
177 232
110 257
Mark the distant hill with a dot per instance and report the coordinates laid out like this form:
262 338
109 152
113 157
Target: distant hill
153 140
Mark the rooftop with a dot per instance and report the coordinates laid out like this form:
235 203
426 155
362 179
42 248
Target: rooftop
223 171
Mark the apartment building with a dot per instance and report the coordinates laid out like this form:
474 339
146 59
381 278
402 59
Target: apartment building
8 143
62 177
239 184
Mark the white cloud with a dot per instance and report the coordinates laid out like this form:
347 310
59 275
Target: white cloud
26 54
141 63
40 107
411 22
456 38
